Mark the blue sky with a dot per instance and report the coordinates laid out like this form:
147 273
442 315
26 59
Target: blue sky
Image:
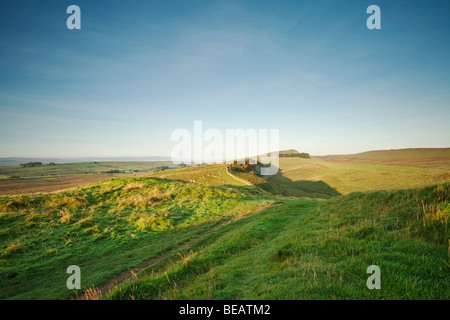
138 70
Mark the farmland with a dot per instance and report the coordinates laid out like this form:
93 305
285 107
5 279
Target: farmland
50 178
302 176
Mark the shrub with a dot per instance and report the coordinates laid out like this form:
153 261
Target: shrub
31 164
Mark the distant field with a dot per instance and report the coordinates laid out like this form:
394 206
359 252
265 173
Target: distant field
376 170
425 157
318 177
78 168
46 178
64 176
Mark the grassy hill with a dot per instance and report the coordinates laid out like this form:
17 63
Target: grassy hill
378 170
319 177
328 226
329 176
215 174
305 249
405 154
292 153
105 228
419 157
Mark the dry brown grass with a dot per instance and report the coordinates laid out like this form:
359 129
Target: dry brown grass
143 200
65 216
91 294
46 185
133 186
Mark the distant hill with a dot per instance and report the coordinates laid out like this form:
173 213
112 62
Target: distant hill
410 153
6 162
372 170
291 153
418 157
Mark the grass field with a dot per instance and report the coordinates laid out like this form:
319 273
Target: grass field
335 217
105 228
378 170
319 177
325 177
305 249
419 157
215 174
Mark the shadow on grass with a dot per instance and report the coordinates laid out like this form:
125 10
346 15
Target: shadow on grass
281 184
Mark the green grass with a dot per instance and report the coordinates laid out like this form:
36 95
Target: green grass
300 249
304 249
437 158
69 169
323 179
215 174
105 228
405 154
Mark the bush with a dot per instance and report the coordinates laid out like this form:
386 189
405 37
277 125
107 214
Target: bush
31 164
303 155
113 171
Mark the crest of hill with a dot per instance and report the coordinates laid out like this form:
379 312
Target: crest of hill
418 157
412 153
292 153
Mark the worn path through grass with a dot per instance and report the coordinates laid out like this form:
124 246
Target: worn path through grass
110 285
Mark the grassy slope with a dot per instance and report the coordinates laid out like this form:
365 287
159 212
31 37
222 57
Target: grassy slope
421 157
209 174
315 250
105 228
405 154
325 178
108 230
320 177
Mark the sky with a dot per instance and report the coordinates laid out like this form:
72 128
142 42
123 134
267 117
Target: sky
138 70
